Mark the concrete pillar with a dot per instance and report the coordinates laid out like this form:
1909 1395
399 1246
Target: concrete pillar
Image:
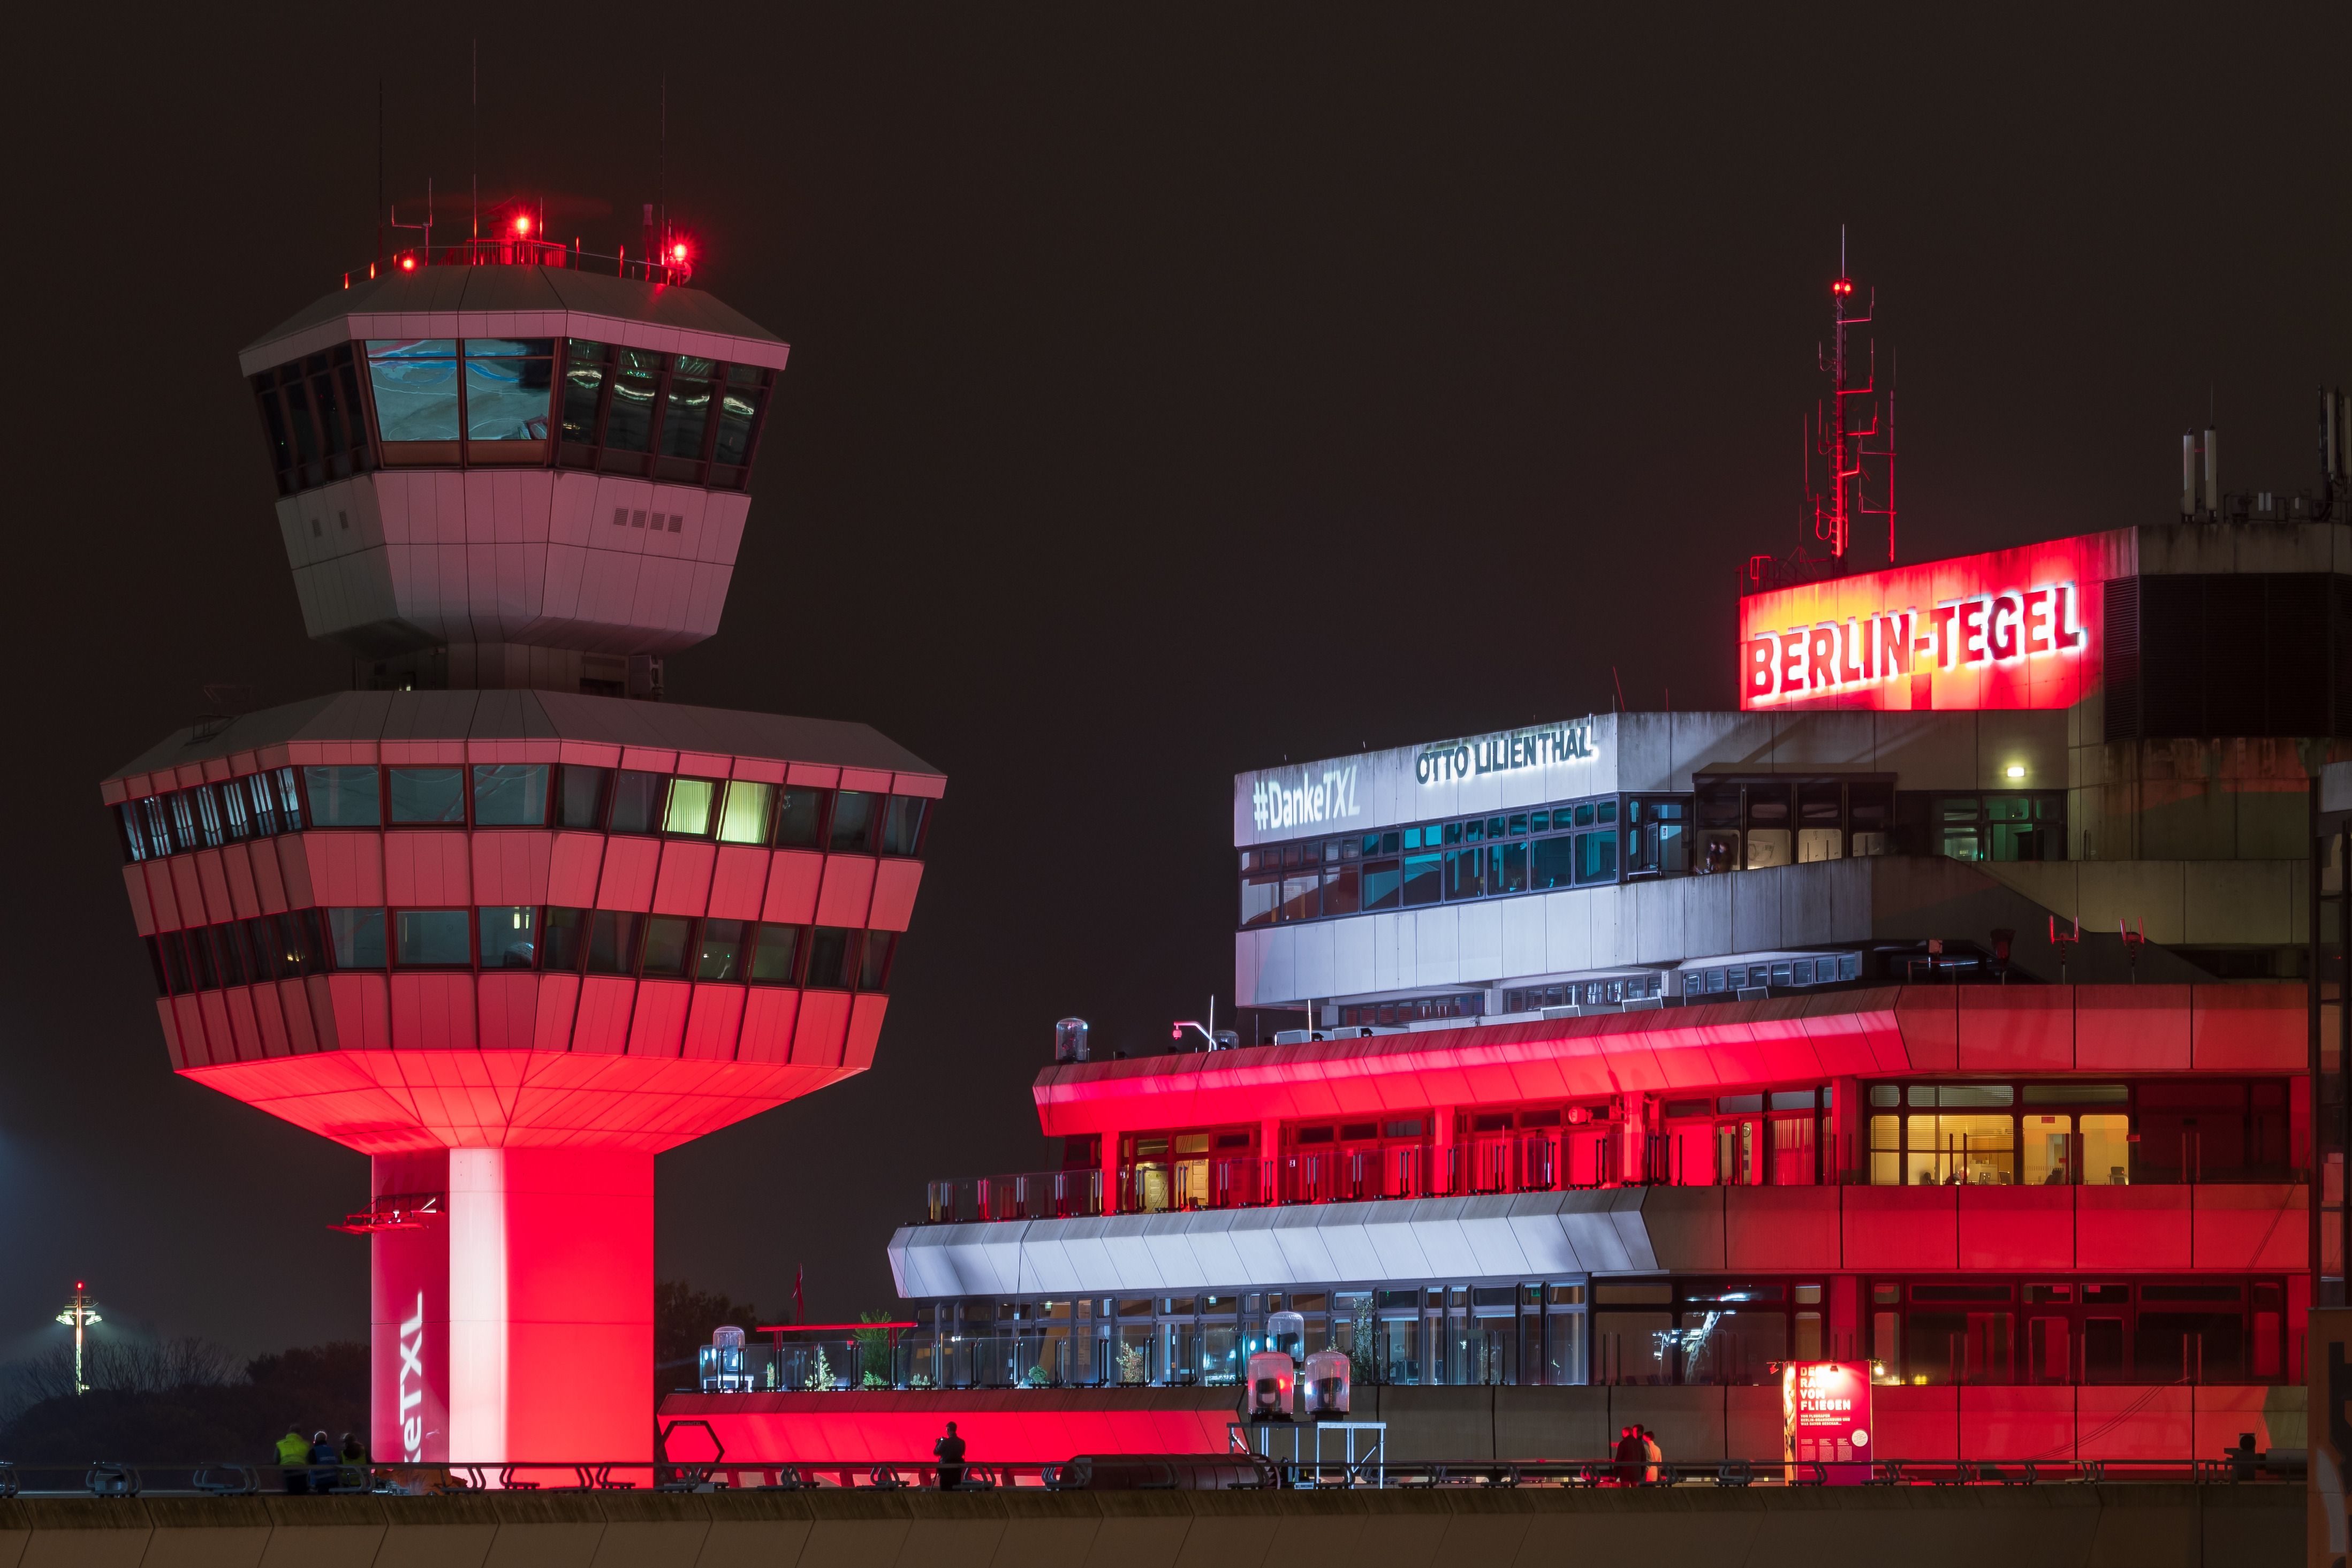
1269 1155
1848 1155
1109 1156
517 1324
1441 1149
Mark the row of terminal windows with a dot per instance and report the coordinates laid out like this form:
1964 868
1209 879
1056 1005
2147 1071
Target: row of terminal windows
2097 1134
1413 1010
1938 1333
1727 825
2157 1131
1984 1330
1827 969
523 795
1573 843
444 402
520 937
1583 993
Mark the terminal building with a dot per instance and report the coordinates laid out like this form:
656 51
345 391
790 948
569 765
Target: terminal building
1941 1006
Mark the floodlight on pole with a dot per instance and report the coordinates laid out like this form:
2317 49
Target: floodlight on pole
81 1311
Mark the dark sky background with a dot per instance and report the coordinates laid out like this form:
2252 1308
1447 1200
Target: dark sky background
1175 390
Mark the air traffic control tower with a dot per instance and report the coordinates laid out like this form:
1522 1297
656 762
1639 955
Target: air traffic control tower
498 918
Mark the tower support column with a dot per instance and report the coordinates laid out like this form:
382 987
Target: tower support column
517 1325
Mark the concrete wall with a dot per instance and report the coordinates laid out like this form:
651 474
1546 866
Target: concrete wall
1691 919
2147 1526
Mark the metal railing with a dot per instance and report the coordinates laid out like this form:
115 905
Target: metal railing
718 1472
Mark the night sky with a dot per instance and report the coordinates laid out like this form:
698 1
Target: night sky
1174 391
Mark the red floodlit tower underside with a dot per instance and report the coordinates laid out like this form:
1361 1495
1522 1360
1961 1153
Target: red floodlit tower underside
498 924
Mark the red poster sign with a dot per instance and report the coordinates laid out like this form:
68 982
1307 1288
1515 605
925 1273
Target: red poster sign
1825 1417
2013 629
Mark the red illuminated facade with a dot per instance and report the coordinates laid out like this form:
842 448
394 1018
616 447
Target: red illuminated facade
493 922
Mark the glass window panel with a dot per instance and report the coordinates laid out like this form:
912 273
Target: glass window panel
1465 873
832 957
739 414
1552 862
1961 1150
800 817
273 418
1424 878
638 801
1261 895
178 976
1506 868
584 385
341 797
509 936
2046 1151
612 942
358 937
1596 856
583 802
156 812
690 801
237 967
433 938
289 802
874 966
688 412
722 954
564 940
1340 889
2107 1150
208 815
637 380
332 425
415 384
1302 896
902 824
743 819
1383 884
428 794
206 959
775 955
236 817
296 396
668 944
507 387
2077 1094
510 795
853 812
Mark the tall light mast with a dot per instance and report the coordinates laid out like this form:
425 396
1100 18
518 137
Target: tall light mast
81 1309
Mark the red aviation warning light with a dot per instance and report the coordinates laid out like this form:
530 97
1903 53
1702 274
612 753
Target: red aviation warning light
522 224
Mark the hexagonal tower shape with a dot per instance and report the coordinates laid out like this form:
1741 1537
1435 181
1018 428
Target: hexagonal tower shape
491 922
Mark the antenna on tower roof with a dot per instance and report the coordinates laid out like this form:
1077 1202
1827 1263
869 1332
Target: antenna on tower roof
473 132
1844 445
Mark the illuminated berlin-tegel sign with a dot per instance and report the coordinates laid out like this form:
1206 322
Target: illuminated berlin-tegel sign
1449 761
1988 630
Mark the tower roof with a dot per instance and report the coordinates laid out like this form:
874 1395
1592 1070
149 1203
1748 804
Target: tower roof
372 717
520 301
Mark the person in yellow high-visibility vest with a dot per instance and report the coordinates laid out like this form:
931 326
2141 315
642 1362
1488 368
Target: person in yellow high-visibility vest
293 1453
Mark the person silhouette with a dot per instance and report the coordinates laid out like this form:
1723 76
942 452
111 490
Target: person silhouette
950 1453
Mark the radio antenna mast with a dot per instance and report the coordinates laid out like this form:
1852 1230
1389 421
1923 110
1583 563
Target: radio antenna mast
1840 438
